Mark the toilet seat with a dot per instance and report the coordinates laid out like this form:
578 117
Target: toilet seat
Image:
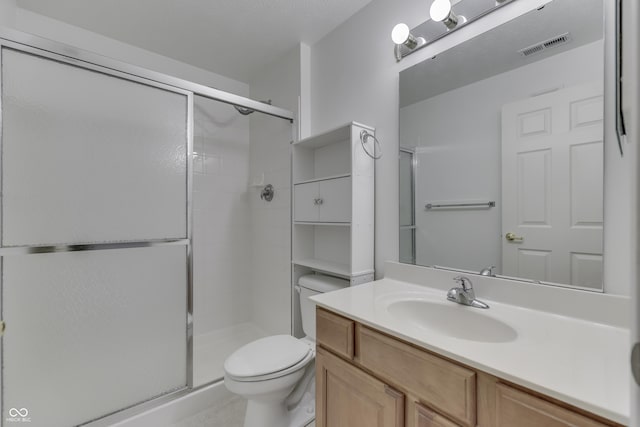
268 358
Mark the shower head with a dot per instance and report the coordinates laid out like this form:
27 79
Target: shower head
246 111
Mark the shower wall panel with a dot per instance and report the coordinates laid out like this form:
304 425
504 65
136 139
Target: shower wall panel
271 225
222 239
241 242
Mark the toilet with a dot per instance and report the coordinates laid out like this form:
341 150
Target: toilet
276 374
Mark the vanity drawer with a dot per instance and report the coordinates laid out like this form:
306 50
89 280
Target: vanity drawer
515 407
433 380
335 333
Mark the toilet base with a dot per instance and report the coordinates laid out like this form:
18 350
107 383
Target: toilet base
265 414
304 412
270 414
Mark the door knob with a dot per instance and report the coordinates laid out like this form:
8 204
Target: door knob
513 238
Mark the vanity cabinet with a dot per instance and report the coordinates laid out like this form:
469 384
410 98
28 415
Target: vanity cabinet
362 371
349 397
333 204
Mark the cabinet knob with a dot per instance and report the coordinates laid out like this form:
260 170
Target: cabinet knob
317 201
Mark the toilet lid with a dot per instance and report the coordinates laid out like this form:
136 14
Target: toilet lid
265 356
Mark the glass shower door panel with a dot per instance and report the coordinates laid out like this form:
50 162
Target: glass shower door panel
89 333
89 157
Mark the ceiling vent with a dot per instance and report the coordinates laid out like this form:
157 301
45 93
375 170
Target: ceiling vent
547 44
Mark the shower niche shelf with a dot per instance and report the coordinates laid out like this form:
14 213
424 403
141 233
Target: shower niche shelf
333 205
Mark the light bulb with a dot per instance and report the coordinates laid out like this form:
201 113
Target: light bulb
440 10
400 33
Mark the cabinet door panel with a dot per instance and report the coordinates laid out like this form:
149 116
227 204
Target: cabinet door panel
436 381
305 209
336 200
348 397
517 408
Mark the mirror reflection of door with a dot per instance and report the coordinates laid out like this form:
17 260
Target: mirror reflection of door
552 187
407 206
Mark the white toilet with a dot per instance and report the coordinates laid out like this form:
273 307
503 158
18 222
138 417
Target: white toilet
277 373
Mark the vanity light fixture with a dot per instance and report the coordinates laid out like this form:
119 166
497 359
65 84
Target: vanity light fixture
402 37
408 41
441 11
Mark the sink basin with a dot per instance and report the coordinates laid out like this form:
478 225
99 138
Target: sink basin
453 320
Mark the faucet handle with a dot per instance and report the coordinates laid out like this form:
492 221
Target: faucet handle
465 282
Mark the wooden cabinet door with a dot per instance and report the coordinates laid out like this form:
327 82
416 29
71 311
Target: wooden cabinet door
517 408
348 397
433 380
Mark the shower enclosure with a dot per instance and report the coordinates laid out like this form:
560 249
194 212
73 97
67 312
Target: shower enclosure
126 233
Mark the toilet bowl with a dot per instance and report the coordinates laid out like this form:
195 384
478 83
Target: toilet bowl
276 373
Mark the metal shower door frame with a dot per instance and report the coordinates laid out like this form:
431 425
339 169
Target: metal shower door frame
65 248
71 55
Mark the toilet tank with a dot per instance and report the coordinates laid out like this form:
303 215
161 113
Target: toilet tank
310 285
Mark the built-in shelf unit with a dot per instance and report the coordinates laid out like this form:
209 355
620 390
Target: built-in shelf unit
333 205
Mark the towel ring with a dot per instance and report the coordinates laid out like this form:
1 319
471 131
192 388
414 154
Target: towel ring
364 136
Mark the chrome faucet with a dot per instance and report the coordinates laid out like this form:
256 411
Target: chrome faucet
488 271
465 295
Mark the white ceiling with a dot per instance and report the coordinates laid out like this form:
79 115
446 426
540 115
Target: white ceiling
234 38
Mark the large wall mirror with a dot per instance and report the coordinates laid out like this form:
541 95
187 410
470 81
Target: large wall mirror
501 159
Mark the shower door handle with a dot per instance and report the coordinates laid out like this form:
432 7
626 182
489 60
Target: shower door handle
2 326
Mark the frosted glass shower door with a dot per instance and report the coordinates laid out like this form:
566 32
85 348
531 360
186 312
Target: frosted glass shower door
95 237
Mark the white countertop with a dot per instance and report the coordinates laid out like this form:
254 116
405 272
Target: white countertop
580 362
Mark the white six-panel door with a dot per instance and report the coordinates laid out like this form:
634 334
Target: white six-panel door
552 187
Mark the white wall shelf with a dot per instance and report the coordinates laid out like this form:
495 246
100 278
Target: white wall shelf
333 268
333 205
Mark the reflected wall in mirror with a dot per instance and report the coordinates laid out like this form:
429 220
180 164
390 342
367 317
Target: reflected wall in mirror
515 117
